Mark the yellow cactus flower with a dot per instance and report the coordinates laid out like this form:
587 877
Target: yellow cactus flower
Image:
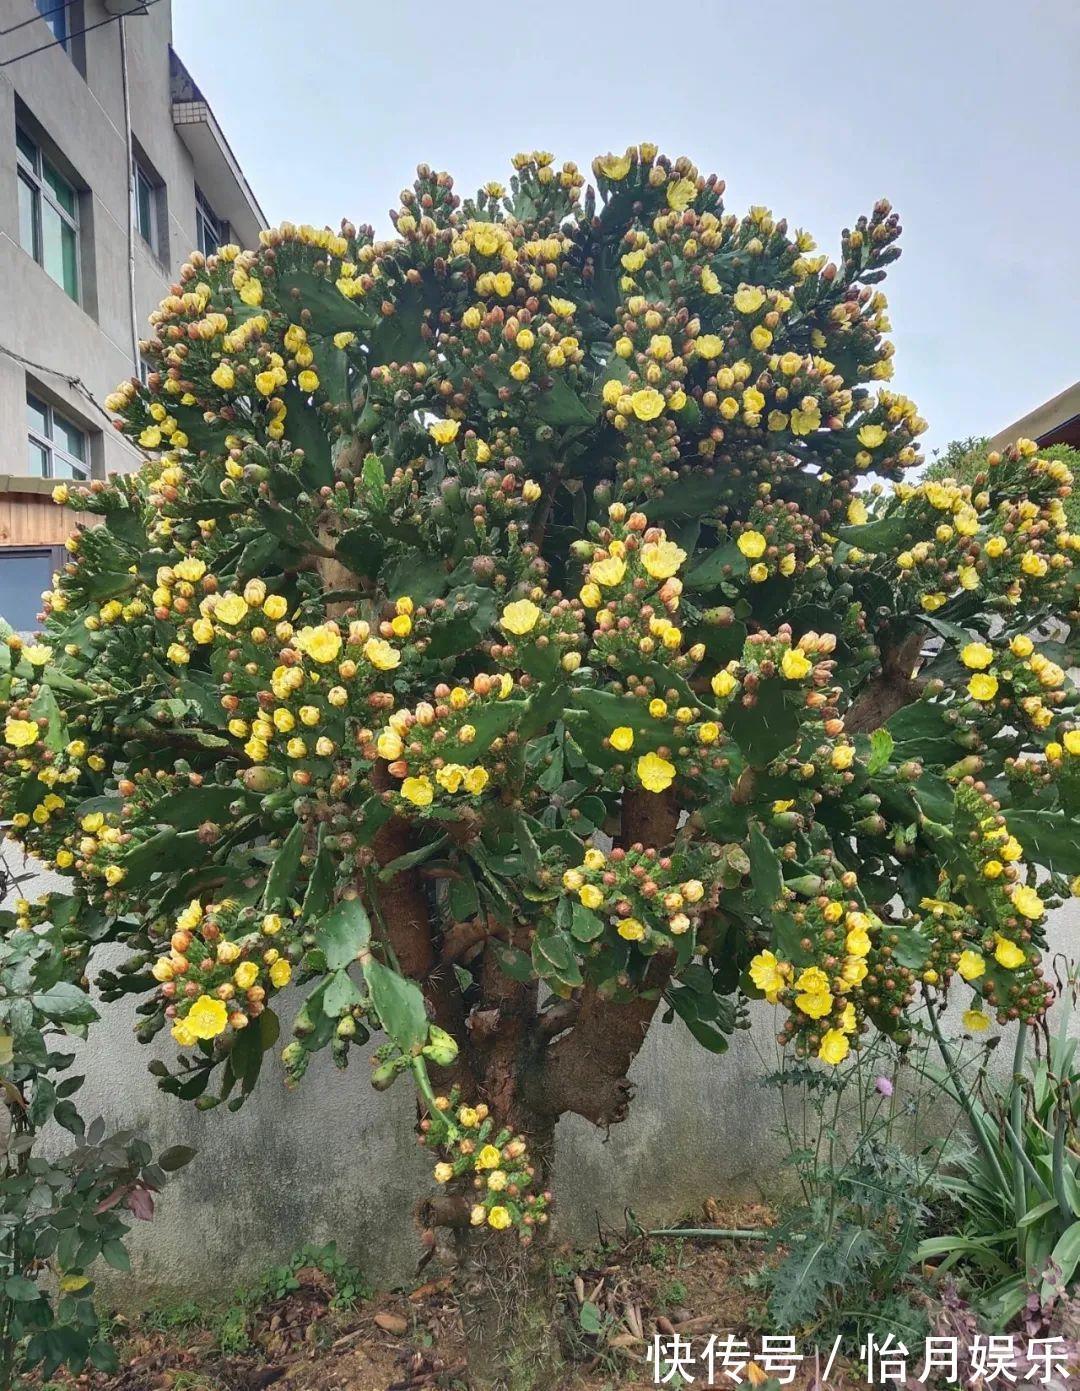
613 167
246 974
971 965
655 773
795 664
206 1018
834 1047
842 757
20 734
680 194
381 655
520 617
622 738
320 643
476 779
662 559
1027 902
444 431
608 572
748 299
976 656
419 790
723 683
591 896
768 975
814 1003
647 403
752 544
982 686
230 608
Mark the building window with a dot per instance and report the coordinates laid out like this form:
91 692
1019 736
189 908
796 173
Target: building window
48 214
148 194
208 229
56 448
25 573
55 15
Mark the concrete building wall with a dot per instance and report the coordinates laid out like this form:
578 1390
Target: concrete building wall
334 1160
72 101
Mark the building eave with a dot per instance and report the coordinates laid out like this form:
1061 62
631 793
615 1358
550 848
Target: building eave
217 171
1056 421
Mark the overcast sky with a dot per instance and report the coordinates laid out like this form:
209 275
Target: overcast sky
965 113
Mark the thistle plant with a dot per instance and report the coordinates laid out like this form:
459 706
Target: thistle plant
523 629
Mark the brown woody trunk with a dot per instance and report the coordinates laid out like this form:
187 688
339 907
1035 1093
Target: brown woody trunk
530 1066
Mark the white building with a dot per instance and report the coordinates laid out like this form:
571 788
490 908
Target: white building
112 169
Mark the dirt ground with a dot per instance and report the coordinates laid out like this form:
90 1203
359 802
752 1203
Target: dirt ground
629 1286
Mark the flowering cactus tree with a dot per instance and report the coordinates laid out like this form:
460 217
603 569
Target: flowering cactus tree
499 651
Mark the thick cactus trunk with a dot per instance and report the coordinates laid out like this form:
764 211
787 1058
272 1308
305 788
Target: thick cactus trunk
506 1295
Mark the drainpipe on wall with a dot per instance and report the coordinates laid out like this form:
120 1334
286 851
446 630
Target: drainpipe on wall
126 86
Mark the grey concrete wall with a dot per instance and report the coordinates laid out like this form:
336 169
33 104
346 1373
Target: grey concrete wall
335 1160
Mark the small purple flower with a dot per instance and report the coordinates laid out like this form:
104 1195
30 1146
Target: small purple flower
884 1086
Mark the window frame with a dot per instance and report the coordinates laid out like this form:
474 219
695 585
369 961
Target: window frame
205 216
140 170
81 470
55 15
31 172
56 554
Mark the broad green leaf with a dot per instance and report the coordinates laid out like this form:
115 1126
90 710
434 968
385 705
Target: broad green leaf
283 871
411 859
320 886
66 1003
725 562
168 850
589 1318
554 958
1065 1256
585 925
191 806
44 705
767 728
530 851
250 1046
704 1027
766 875
885 534
399 1005
115 1254
175 1158
19 1288
561 405
881 747
343 933
514 962
1048 838
340 994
